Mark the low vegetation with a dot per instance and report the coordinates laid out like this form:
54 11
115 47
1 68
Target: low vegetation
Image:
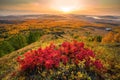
71 60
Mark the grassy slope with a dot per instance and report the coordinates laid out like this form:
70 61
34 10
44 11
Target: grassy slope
9 64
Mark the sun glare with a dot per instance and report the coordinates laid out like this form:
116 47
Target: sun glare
66 9
66 6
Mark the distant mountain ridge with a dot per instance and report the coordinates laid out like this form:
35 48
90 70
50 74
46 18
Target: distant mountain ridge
107 19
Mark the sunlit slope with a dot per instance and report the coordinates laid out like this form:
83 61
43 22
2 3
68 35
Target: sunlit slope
9 64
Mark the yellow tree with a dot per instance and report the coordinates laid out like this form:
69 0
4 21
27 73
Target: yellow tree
108 38
117 37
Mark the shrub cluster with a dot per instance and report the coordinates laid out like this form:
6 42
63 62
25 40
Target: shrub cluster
111 37
51 57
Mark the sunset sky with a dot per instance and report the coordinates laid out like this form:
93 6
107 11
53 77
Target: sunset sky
91 7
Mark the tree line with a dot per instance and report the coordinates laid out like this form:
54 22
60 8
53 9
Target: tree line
19 41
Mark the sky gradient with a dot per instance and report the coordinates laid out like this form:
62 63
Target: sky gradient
91 7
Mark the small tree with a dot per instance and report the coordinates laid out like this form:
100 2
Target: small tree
5 47
34 36
18 41
98 38
111 37
117 37
108 38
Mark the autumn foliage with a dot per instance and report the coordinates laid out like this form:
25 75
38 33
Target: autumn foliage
111 37
51 57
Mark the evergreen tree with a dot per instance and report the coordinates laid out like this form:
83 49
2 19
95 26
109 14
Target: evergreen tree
5 47
18 41
34 36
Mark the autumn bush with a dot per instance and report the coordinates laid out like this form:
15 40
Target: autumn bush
66 61
111 37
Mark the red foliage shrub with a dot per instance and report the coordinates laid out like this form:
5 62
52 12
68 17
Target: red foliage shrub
51 56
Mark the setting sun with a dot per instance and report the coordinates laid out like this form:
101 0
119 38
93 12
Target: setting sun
66 6
66 9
